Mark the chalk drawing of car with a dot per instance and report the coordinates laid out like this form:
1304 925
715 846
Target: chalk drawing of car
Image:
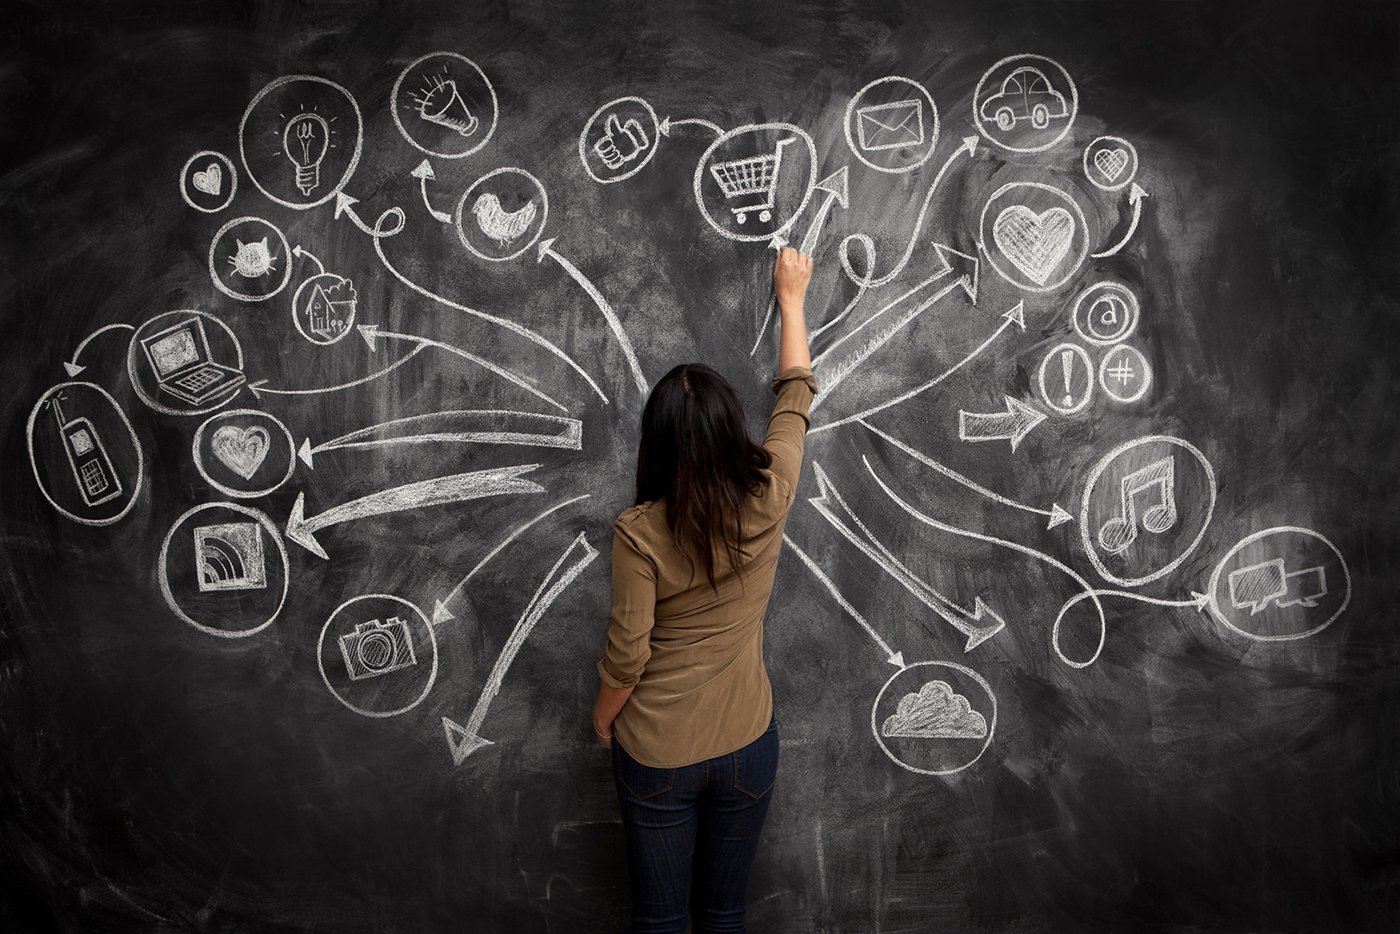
1026 94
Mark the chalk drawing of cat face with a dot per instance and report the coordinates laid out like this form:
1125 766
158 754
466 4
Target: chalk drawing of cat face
252 260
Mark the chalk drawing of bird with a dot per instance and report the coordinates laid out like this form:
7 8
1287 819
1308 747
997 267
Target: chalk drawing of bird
499 224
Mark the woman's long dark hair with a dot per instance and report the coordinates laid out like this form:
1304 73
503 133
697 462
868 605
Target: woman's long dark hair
696 454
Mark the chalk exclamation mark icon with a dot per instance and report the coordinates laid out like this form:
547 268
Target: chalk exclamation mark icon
1067 365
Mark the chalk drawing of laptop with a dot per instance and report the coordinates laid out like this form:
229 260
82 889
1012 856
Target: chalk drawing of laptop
180 357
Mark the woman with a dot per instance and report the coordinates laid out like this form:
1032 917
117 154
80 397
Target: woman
684 700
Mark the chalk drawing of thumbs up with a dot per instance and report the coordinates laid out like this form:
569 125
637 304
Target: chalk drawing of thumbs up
621 143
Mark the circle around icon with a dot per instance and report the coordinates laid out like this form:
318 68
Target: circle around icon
1005 119
758 209
991 724
1105 313
499 218
325 280
1013 227
202 180
1066 403
583 147
1115 356
1213 589
318 120
1110 169
91 445
867 115
237 465
453 100
265 525
251 255
377 662
135 349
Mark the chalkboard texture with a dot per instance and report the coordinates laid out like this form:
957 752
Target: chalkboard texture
328 328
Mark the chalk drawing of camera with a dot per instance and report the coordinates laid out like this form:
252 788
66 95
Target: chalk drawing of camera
376 648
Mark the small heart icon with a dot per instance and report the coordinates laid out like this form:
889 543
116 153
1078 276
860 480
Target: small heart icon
1111 162
210 181
241 450
1035 243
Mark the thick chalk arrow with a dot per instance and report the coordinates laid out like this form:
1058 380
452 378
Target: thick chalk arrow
465 740
1056 515
1016 316
614 323
834 509
667 123
300 251
423 172
894 658
454 488
1014 546
837 188
1013 424
1135 196
441 613
372 332
260 387
856 346
71 365
344 204
460 426
506 324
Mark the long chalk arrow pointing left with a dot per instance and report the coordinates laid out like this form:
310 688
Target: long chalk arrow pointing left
423 172
454 488
71 365
465 740
1012 425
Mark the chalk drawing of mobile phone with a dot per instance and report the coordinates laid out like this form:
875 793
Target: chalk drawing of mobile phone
92 468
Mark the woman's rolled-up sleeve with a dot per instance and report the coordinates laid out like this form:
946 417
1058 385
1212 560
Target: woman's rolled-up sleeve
633 612
795 387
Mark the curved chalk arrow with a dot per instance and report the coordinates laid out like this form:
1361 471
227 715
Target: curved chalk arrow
465 740
1015 316
1135 196
371 333
667 123
1014 546
472 426
614 323
1011 425
344 205
300 251
894 658
832 507
423 172
260 387
1056 515
71 364
453 488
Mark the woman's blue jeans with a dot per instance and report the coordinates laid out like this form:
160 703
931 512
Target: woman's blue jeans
693 831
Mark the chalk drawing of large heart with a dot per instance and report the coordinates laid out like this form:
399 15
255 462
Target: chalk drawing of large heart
242 450
1111 162
1035 243
210 181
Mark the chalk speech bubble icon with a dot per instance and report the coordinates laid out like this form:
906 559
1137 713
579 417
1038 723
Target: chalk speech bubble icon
1257 585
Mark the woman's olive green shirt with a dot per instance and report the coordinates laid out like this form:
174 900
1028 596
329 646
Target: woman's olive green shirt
694 657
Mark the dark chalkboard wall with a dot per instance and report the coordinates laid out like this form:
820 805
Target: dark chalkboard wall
1087 622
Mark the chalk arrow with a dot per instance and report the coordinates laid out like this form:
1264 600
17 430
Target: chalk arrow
1013 424
260 387
1200 600
460 426
71 365
344 204
299 251
777 242
837 188
1135 196
462 741
1056 515
499 481
1016 316
667 123
423 172
371 333
959 271
546 248
441 613
842 518
894 658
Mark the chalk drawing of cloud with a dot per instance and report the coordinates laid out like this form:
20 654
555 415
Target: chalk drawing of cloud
935 712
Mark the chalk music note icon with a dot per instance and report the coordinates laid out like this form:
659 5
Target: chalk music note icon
1158 480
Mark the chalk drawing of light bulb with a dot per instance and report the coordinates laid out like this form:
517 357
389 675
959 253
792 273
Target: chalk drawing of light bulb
305 140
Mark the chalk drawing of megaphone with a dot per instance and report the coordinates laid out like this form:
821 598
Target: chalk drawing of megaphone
443 105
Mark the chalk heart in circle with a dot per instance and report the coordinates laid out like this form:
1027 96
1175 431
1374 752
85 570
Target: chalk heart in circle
210 181
1111 162
1035 243
241 450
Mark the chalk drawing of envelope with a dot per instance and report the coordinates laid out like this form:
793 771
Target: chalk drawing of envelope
890 126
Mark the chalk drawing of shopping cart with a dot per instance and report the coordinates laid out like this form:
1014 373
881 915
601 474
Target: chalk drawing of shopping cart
756 175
